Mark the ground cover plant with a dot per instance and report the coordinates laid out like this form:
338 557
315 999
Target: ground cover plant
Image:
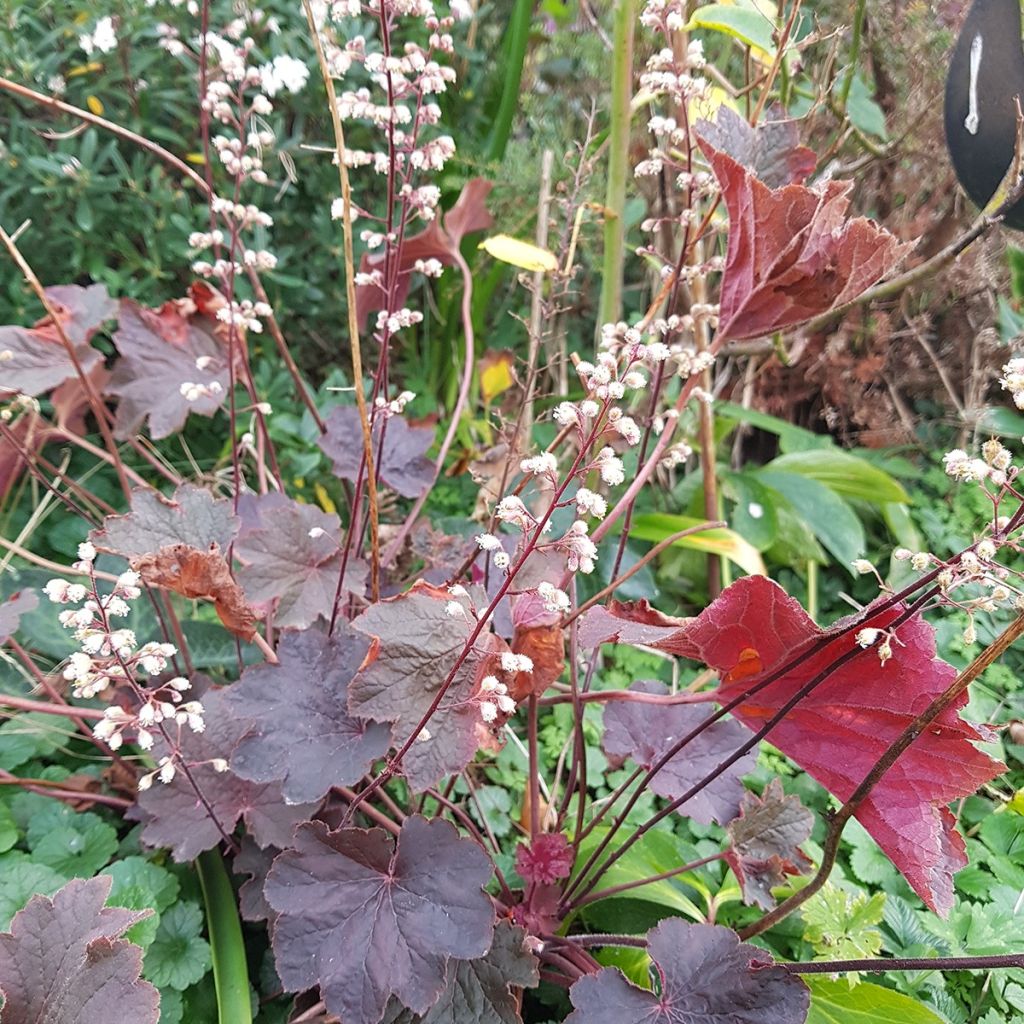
476 658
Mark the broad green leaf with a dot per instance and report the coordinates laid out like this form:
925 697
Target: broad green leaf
77 849
753 515
844 473
795 544
656 853
29 736
1011 321
835 1002
997 419
178 956
862 110
519 253
8 829
842 926
656 526
829 517
22 879
138 885
750 26
791 438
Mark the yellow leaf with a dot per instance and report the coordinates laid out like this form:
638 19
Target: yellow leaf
706 107
656 526
518 253
495 374
93 103
195 158
84 69
1016 803
324 498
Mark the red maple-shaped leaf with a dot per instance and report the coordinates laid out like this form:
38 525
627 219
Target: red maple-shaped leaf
847 722
793 253
548 858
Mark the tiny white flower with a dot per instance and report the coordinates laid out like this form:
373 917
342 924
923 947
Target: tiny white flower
862 566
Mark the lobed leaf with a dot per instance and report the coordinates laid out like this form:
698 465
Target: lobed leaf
368 919
301 732
12 610
63 961
706 977
646 732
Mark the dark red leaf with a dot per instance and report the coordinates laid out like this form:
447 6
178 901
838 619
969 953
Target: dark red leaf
766 840
439 241
301 731
416 644
12 610
840 730
159 352
478 991
793 253
403 466
770 149
172 814
546 859
282 563
63 961
192 516
631 622
34 359
645 732
255 862
366 918
707 977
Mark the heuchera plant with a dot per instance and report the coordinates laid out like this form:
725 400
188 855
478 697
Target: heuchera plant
327 770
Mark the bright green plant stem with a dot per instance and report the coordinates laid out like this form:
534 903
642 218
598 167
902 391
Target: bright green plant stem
518 37
618 162
230 971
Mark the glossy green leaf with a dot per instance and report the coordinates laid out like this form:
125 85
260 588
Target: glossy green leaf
139 885
178 956
77 849
749 26
791 438
753 513
656 526
998 419
844 473
829 517
835 1002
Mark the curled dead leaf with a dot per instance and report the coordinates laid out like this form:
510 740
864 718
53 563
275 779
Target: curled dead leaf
545 647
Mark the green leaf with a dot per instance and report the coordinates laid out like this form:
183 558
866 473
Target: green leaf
862 110
28 736
753 515
791 438
835 1002
138 885
997 419
172 1006
77 849
869 864
829 517
656 526
1015 259
22 879
842 926
178 956
846 474
749 26
8 829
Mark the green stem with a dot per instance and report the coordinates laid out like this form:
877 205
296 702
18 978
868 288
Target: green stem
518 37
858 32
812 589
230 971
618 162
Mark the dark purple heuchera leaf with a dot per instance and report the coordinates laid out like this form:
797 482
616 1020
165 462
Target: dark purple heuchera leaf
301 731
172 814
192 516
478 990
645 732
548 858
367 919
403 466
63 961
254 862
12 610
770 149
163 352
766 840
707 977
34 359
416 644
283 563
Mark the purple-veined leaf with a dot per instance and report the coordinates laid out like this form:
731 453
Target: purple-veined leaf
645 732
366 918
707 977
416 644
12 610
403 466
283 563
301 731
478 990
35 360
64 961
192 517
162 353
766 840
172 814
